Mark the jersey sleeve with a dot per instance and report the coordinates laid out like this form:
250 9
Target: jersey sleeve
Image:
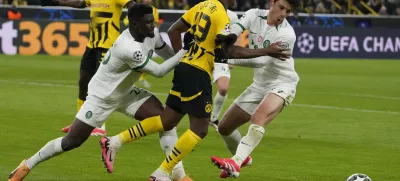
133 56
222 22
188 17
122 2
244 22
233 17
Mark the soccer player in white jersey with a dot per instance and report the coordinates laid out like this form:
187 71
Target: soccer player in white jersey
221 75
112 88
273 87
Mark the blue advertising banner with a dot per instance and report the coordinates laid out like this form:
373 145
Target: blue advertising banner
347 43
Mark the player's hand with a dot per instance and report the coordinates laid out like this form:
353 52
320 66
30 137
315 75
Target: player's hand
277 51
188 40
220 56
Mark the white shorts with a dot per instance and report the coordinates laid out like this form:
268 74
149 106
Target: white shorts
221 70
253 95
95 111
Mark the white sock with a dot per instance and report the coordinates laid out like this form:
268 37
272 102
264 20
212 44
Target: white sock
219 101
51 149
116 141
248 143
167 143
232 141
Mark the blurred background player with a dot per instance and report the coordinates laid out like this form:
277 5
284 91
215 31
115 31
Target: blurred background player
221 75
157 23
113 88
273 88
105 18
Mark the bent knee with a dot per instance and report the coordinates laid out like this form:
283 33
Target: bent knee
202 134
169 127
223 91
70 143
224 130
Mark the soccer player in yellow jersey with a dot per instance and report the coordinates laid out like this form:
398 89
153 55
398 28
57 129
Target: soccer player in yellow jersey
104 30
191 93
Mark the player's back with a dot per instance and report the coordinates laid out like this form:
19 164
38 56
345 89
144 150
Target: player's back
207 19
104 22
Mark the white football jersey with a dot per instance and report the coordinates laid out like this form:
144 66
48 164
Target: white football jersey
261 35
119 69
232 16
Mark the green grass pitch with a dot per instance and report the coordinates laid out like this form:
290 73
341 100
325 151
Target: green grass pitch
345 119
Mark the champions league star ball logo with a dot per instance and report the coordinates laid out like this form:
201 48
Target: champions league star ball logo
305 42
137 56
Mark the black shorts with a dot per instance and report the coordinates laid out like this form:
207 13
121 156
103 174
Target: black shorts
91 59
191 92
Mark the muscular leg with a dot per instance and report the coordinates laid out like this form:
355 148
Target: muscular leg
219 99
78 134
153 107
266 111
232 119
185 144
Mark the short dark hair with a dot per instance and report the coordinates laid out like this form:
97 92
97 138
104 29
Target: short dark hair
138 11
294 3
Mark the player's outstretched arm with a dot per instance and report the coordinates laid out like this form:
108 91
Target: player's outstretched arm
71 3
253 62
165 51
160 70
273 51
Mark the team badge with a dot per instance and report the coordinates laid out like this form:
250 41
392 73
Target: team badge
88 114
208 108
284 45
266 43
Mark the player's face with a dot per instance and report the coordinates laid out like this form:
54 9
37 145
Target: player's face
146 26
279 10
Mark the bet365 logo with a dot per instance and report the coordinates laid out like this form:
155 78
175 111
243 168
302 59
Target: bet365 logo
7 35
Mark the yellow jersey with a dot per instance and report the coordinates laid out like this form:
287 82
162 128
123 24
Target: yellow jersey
207 20
104 22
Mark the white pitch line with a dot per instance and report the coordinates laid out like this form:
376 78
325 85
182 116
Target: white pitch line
359 95
344 108
165 94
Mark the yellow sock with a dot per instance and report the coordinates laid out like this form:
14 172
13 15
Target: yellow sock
79 104
146 127
183 146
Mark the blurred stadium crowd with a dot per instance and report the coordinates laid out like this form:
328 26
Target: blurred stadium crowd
374 7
